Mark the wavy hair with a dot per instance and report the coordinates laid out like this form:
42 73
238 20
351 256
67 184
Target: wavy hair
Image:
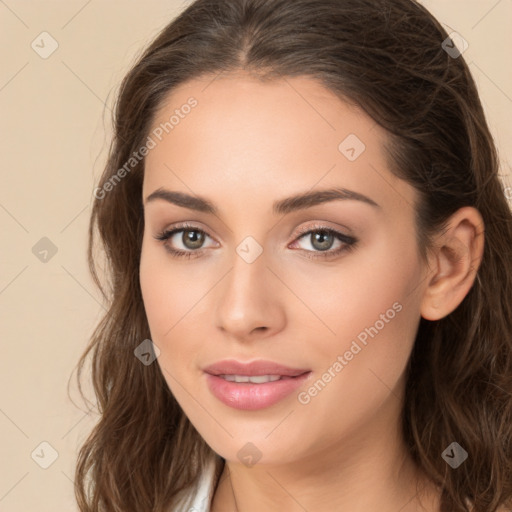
387 57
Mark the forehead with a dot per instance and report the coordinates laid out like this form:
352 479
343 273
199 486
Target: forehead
239 101
243 134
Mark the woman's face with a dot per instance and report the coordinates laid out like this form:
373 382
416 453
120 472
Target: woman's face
329 287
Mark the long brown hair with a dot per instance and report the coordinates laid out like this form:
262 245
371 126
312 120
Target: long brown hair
387 57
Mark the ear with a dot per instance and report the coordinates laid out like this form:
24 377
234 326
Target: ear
454 262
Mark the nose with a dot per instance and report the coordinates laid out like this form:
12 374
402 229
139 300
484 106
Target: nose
249 300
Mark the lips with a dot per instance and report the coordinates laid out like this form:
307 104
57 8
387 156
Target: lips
254 368
253 386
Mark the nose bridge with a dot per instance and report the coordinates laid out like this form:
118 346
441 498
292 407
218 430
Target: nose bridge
245 282
245 302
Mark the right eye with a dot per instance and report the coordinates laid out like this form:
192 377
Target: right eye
191 238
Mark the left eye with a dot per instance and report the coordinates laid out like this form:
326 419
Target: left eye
321 239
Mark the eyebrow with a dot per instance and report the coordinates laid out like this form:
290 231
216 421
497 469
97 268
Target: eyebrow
280 207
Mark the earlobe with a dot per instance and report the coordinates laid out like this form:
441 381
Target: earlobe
454 263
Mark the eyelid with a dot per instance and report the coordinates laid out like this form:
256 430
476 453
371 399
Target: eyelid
322 226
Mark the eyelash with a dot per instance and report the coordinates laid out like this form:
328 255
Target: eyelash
349 241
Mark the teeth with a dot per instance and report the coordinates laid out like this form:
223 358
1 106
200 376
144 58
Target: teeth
257 379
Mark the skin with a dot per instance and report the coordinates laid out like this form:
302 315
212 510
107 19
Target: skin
245 145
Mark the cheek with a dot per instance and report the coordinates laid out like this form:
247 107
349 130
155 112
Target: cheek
344 299
361 367
173 297
161 293
371 305
156 291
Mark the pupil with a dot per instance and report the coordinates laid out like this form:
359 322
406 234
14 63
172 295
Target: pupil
192 239
322 236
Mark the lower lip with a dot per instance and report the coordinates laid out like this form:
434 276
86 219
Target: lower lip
251 397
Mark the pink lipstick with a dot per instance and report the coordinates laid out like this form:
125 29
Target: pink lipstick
255 385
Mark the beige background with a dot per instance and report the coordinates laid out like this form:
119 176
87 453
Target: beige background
55 116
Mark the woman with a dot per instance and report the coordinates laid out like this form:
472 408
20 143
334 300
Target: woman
309 253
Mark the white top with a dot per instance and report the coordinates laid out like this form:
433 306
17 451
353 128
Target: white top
201 495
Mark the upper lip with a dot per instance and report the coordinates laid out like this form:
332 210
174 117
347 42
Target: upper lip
254 368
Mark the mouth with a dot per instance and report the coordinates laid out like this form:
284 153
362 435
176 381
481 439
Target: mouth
253 386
